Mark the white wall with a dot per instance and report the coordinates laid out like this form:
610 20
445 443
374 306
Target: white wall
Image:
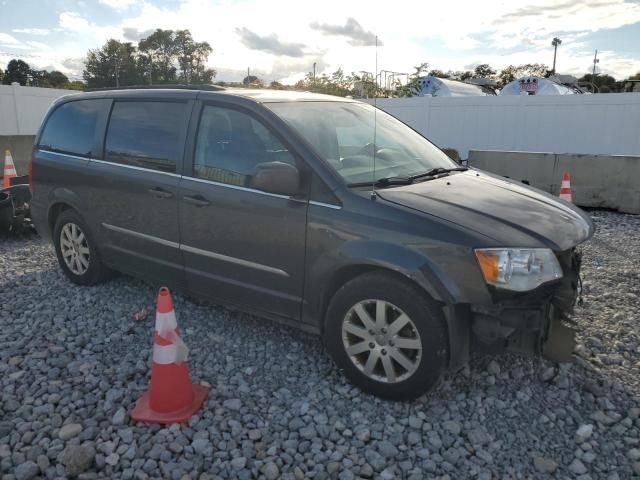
22 108
607 124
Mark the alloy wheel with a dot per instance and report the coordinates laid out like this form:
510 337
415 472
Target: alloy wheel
74 248
381 341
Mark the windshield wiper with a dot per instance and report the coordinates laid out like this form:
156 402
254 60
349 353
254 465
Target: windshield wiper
437 171
384 182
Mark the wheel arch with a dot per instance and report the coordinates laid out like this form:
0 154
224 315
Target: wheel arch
61 199
365 257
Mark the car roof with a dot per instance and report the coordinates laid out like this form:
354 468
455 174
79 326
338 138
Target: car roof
256 95
268 95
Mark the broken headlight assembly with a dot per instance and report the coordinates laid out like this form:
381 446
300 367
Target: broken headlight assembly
518 269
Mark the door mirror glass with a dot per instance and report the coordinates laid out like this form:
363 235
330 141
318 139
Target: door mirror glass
277 177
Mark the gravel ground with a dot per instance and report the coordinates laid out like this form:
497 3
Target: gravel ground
73 362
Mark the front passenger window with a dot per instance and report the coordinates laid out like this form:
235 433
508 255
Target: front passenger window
230 144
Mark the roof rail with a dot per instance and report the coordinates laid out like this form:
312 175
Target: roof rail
178 86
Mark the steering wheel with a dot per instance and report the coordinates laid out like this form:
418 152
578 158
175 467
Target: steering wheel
366 149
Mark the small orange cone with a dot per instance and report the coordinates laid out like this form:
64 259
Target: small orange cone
9 170
565 188
171 397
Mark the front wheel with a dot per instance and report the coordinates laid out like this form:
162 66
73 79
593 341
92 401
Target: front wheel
387 335
76 250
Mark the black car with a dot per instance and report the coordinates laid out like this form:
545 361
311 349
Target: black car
320 212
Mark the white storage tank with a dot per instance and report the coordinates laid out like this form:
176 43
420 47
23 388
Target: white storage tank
443 87
536 86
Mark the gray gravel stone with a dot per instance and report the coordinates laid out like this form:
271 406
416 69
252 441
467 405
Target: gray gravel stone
233 404
583 433
119 417
26 471
72 355
545 465
577 467
271 471
493 368
69 431
452 427
238 463
634 454
77 458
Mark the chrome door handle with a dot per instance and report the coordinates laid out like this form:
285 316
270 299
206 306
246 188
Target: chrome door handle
160 192
196 200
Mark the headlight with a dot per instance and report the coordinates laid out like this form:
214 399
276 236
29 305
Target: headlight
518 269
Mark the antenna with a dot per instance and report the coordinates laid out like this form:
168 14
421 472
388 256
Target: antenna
375 124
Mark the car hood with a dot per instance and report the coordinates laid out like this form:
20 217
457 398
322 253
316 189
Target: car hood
511 214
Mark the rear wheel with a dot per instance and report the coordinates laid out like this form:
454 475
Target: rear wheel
76 250
387 335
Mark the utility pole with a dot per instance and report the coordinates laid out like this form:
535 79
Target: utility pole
117 73
314 73
556 42
596 60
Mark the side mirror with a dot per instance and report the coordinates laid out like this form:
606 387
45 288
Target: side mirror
277 177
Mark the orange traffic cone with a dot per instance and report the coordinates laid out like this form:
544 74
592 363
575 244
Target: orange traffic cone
565 188
171 397
9 170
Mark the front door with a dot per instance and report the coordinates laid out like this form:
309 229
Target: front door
240 245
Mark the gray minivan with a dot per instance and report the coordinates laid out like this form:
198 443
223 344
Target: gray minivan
316 211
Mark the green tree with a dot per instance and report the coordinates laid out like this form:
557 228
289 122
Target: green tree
484 71
412 84
192 58
58 79
510 73
114 64
635 77
53 79
17 71
252 80
604 83
161 50
75 85
199 71
439 74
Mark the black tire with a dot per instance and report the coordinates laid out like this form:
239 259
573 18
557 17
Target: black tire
426 316
96 272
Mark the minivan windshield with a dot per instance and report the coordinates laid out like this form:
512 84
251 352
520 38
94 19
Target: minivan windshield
343 134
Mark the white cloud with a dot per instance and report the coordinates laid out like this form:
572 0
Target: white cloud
74 22
6 39
119 4
38 45
448 35
32 31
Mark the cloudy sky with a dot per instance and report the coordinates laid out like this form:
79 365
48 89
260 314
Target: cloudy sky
281 39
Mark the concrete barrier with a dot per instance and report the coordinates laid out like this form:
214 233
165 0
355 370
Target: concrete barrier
609 181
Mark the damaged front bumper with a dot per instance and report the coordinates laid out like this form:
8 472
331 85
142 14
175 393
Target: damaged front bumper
537 322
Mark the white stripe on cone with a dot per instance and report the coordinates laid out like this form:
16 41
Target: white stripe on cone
177 352
166 322
165 354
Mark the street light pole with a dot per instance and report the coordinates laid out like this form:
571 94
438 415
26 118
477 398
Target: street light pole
596 60
555 43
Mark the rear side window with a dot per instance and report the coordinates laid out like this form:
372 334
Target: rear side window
146 134
71 127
